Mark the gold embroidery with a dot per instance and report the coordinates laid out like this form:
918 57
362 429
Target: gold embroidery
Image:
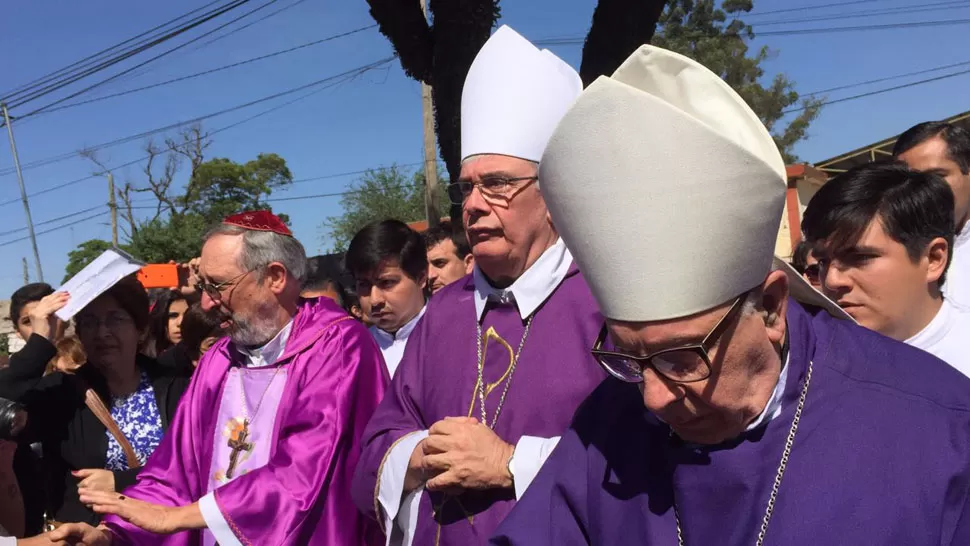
491 334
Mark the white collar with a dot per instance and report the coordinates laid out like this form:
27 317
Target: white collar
402 333
962 237
773 407
532 288
936 330
270 352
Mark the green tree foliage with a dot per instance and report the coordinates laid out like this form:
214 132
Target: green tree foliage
392 193
84 254
215 189
718 38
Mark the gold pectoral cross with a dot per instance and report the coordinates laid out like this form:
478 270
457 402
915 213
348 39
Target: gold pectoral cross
238 444
491 335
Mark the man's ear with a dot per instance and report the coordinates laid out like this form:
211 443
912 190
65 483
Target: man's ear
937 258
774 301
469 263
275 276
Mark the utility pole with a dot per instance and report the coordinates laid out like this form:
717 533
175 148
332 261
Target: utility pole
26 273
23 191
430 149
113 205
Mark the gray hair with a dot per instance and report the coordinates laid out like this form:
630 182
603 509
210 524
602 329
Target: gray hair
261 248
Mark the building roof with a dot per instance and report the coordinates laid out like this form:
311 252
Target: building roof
874 152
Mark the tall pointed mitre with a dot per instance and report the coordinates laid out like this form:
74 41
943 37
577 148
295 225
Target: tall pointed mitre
514 95
667 189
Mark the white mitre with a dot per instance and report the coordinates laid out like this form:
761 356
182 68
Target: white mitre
668 190
514 95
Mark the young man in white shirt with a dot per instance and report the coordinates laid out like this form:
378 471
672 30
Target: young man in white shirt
944 149
883 236
389 264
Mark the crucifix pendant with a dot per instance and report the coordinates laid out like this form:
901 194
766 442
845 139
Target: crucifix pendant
238 444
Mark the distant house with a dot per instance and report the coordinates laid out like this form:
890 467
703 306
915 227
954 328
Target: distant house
14 343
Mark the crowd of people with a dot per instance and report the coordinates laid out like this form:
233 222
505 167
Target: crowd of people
608 352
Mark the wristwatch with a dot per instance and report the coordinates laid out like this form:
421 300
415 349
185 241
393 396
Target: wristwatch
508 465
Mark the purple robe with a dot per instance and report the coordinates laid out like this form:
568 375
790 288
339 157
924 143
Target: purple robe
881 457
335 377
438 376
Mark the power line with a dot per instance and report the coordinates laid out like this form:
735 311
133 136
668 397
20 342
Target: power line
143 63
887 78
881 91
210 71
85 61
810 8
341 78
861 28
217 38
350 73
32 94
52 220
58 228
924 8
351 173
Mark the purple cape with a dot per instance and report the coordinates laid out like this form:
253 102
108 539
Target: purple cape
335 379
437 379
881 457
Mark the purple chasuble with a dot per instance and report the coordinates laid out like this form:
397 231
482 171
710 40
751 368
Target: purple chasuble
438 378
881 457
295 489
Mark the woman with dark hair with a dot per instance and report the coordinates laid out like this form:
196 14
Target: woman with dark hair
63 410
200 331
166 321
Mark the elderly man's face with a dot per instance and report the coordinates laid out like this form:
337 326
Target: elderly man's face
506 233
248 305
745 364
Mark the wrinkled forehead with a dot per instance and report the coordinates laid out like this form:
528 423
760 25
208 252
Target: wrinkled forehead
478 166
221 256
652 336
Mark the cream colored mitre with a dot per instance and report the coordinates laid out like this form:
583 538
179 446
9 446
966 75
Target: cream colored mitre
667 189
513 97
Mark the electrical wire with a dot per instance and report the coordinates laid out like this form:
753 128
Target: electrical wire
810 8
35 93
52 220
63 157
924 8
58 228
209 71
87 60
143 63
210 133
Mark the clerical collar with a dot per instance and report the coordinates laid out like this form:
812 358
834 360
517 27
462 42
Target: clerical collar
270 352
402 333
773 407
936 330
532 288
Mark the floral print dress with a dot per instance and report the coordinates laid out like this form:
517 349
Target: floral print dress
138 418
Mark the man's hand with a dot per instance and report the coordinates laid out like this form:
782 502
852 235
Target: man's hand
78 533
416 474
95 479
189 276
462 453
42 318
155 518
40 540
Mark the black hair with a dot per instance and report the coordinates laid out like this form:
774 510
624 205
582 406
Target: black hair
443 231
799 257
197 325
324 272
27 294
159 318
387 240
957 141
913 207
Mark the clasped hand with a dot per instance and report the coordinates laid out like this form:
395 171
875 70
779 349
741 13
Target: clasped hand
462 453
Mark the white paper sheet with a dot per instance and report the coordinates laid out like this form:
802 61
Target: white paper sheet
92 281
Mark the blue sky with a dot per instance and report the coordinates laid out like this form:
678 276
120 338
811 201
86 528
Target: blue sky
375 120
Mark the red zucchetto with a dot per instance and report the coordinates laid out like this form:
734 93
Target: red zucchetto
259 220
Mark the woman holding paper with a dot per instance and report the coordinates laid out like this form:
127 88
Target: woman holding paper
99 425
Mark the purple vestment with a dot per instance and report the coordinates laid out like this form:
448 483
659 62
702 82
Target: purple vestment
334 379
438 376
881 457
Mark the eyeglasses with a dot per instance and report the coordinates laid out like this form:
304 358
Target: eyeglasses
214 290
91 323
493 188
812 272
687 364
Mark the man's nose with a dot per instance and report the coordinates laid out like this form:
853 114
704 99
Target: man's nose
658 392
207 302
